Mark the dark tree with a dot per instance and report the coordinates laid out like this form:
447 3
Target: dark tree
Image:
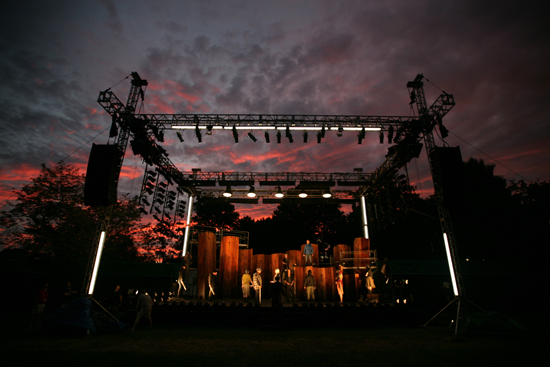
215 212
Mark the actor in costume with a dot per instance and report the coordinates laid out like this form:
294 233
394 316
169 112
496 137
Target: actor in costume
288 282
246 282
181 275
308 253
340 283
212 284
257 284
310 286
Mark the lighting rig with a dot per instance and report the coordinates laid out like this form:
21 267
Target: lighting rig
407 134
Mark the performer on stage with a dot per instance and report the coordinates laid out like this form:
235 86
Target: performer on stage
212 284
276 293
187 262
310 286
246 282
181 275
288 282
370 280
277 274
308 253
257 284
340 283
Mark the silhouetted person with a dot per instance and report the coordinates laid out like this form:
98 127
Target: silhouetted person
68 294
115 301
276 293
340 283
144 306
187 262
288 282
40 301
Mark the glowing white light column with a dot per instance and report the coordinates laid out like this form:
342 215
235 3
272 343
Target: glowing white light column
96 265
364 215
450 260
187 221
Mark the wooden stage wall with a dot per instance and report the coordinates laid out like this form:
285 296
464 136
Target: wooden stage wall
234 261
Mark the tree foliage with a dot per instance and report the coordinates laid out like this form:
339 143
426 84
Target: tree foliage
49 219
215 212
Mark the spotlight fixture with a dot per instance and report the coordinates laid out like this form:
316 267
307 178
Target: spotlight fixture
251 136
266 137
209 129
288 135
361 136
327 194
381 137
278 136
397 136
305 136
303 194
235 134
227 192
390 135
180 137
323 132
339 133
279 193
319 137
251 193
198 133
114 129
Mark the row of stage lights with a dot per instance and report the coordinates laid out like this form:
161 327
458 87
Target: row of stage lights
288 134
279 194
166 199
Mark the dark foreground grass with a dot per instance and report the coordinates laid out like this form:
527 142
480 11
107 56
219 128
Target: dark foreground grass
253 346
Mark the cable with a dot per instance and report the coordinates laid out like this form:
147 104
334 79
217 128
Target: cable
482 152
86 143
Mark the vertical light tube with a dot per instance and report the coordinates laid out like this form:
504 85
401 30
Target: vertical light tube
364 216
187 221
450 260
96 265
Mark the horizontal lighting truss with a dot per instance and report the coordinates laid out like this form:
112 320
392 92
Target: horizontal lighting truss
223 179
274 122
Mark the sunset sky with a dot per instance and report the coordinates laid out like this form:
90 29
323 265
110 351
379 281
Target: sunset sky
273 57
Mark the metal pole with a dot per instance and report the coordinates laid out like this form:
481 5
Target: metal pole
364 216
188 221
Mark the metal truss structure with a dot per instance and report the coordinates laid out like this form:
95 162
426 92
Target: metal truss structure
406 133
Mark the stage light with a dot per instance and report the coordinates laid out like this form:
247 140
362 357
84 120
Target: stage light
114 129
266 137
361 136
209 129
288 135
279 193
390 134
327 194
251 136
323 131
305 136
302 194
198 134
227 193
160 136
235 134
305 128
180 137
443 130
381 137
251 193
319 137
278 137
339 133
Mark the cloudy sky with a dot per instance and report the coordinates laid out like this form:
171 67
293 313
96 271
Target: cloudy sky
273 57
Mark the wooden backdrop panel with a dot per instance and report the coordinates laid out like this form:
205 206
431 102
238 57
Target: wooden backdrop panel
361 248
229 266
294 257
206 261
336 252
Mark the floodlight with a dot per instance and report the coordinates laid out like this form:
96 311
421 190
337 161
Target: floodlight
279 193
251 193
227 192
303 194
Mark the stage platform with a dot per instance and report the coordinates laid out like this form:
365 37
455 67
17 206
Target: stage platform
236 312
